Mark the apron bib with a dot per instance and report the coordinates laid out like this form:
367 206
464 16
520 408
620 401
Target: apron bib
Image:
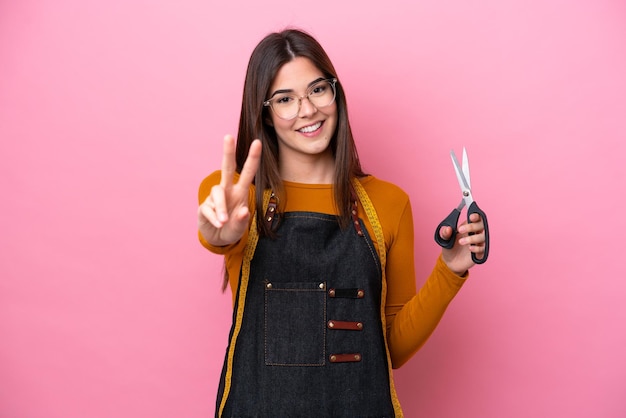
309 337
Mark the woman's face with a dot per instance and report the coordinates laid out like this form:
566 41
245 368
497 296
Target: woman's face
309 133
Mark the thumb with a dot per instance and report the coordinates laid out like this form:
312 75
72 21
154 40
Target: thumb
237 225
445 232
241 214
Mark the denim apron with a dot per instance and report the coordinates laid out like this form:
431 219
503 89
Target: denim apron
308 340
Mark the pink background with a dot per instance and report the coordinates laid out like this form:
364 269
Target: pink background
111 113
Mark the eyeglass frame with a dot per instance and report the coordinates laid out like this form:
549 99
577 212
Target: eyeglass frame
333 84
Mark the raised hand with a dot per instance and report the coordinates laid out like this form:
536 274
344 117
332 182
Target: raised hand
459 258
223 216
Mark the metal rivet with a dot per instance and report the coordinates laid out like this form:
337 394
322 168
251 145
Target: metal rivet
271 209
333 358
269 219
269 285
357 357
331 292
322 285
331 324
359 325
360 293
465 193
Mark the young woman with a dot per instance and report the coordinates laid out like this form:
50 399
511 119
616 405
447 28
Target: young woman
318 254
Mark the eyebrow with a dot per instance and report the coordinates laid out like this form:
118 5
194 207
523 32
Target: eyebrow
317 80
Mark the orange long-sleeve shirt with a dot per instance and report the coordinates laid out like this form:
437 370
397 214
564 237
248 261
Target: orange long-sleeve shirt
411 316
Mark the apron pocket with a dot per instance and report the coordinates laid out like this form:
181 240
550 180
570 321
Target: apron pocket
295 324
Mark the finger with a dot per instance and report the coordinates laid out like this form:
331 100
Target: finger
474 217
242 216
251 165
445 232
228 162
473 227
207 211
218 201
474 239
239 223
478 250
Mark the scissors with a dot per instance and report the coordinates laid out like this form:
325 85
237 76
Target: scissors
463 175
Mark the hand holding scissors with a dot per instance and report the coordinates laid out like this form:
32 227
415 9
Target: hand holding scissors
463 176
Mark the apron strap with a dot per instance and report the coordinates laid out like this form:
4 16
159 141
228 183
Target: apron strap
372 217
253 239
272 210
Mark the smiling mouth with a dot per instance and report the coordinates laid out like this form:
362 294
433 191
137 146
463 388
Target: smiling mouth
310 128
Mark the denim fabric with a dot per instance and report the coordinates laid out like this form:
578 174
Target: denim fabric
281 364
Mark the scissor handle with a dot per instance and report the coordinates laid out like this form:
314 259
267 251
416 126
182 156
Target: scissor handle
452 221
473 208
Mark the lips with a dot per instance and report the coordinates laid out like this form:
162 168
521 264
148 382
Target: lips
310 128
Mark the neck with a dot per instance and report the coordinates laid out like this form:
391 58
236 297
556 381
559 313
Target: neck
318 169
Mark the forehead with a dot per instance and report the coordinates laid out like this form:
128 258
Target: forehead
296 75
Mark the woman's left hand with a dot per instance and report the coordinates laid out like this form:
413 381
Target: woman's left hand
459 258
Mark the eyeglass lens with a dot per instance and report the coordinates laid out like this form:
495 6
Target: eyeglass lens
287 106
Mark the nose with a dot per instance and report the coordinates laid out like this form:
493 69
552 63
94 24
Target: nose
306 108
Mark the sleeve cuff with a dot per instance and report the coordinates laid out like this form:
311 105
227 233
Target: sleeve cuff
213 248
445 271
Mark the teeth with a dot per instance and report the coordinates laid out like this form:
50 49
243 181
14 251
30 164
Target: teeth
308 129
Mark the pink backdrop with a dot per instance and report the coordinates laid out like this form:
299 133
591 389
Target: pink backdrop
112 112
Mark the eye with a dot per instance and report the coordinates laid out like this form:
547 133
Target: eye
318 89
283 100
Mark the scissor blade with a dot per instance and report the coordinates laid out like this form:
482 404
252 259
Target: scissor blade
466 170
463 183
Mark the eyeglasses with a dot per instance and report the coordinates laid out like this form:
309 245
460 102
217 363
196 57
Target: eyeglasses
287 105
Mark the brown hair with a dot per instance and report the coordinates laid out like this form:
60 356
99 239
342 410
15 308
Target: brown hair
275 50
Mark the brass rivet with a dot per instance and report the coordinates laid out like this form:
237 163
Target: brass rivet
359 325
322 286
360 293
357 357
272 209
331 292
331 324
269 285
333 358
269 219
